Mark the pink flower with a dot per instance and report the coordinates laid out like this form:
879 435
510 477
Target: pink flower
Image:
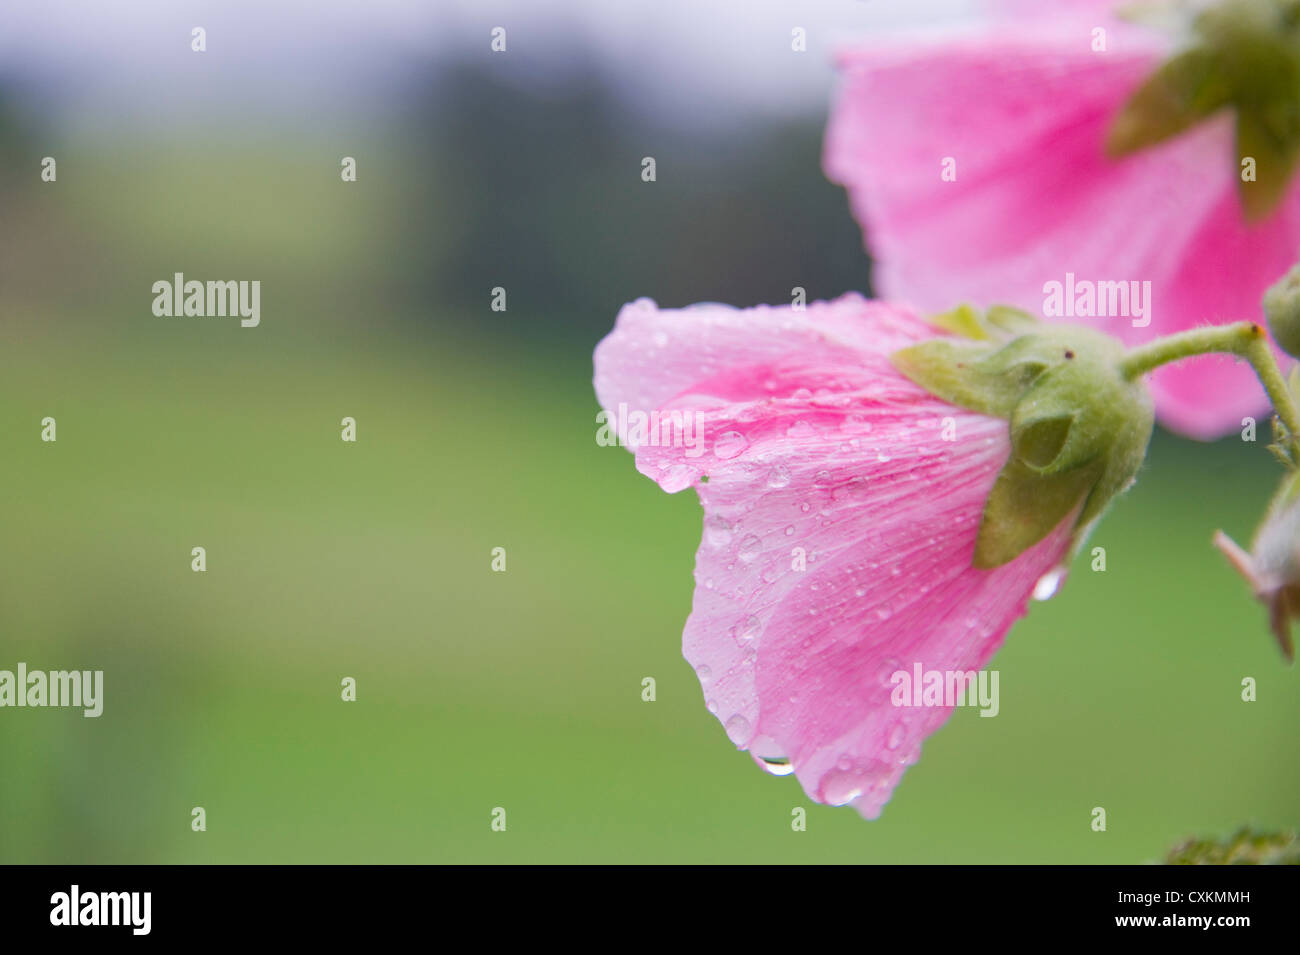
1024 112
841 506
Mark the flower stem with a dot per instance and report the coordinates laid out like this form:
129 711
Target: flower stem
1244 339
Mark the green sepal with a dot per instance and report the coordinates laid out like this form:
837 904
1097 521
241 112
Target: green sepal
1270 136
962 321
1024 507
1179 94
998 323
953 370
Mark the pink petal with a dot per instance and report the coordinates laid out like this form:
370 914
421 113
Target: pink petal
822 445
1035 197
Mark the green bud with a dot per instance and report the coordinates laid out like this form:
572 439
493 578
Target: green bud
1272 568
1282 309
1079 429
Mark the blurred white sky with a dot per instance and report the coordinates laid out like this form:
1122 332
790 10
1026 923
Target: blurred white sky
131 61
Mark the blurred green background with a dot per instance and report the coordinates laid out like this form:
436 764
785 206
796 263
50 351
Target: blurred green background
476 430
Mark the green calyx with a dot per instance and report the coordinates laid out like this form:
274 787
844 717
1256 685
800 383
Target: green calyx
1079 428
1243 55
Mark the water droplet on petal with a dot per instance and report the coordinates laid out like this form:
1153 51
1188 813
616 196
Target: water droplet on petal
779 476
717 531
748 629
1049 583
737 729
776 765
729 445
841 786
704 673
711 705
897 733
789 530
750 548
660 339
800 429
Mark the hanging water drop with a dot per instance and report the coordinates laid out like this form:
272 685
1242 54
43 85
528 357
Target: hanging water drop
1048 584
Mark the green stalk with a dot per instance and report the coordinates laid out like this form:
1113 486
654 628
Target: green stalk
1244 339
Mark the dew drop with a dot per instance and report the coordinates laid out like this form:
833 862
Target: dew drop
711 705
750 548
704 673
717 531
841 786
748 629
779 476
800 429
729 445
737 729
789 530
897 733
1048 584
776 765
660 339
